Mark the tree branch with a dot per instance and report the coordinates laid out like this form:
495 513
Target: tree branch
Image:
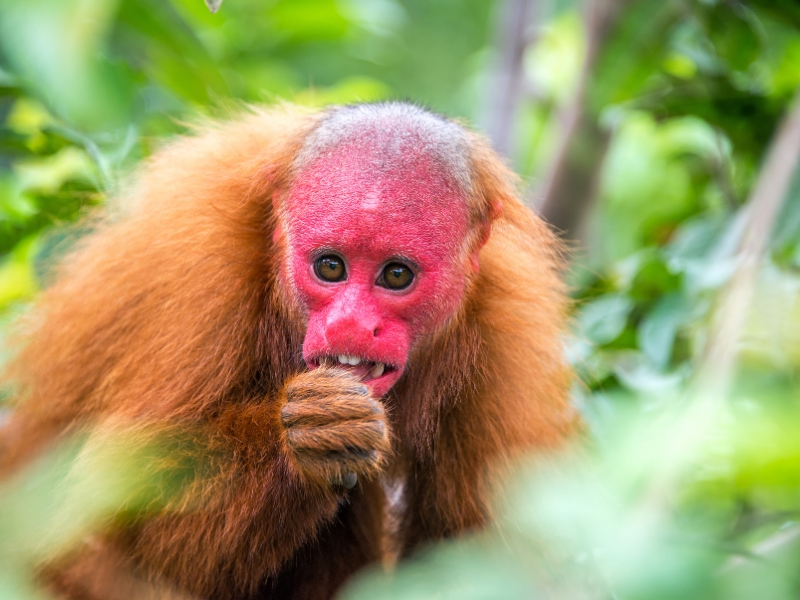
512 39
718 361
571 185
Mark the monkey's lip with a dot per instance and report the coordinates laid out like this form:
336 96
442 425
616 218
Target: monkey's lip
366 370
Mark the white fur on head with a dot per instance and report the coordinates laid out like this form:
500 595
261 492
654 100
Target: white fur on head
389 129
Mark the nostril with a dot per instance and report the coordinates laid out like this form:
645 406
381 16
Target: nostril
375 332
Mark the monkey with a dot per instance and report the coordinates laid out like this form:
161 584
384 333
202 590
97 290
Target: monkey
336 303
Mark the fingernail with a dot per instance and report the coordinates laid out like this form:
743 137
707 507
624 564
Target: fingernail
348 481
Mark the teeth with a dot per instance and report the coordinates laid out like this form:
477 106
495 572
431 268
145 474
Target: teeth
349 360
376 371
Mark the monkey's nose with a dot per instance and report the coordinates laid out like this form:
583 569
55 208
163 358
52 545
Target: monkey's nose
351 330
354 321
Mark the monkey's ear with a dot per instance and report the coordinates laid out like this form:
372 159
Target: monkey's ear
473 259
495 210
485 231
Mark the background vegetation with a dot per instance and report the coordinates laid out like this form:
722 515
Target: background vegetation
661 137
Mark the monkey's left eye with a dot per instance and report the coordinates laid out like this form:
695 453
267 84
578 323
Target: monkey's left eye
396 276
330 268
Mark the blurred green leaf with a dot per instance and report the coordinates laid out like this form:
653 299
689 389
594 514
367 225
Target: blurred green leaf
658 329
554 62
639 374
633 51
357 89
55 46
648 179
78 486
732 31
48 175
602 320
17 276
309 19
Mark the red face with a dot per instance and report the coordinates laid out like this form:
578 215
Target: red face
376 257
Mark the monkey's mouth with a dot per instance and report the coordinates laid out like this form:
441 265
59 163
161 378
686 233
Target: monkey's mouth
362 368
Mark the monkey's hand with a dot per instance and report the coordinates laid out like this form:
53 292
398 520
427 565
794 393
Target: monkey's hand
334 429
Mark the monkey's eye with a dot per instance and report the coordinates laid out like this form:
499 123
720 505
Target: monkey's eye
330 268
396 276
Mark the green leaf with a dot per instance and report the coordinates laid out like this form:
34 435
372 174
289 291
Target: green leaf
48 175
657 331
731 31
17 277
604 319
307 20
353 89
56 47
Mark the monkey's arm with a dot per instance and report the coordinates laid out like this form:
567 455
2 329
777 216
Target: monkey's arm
269 491
236 525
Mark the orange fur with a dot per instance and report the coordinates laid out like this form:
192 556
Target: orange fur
170 316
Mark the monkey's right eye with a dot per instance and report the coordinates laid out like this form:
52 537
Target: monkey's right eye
330 268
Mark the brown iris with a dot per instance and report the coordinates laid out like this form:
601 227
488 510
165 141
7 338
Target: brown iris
397 276
329 268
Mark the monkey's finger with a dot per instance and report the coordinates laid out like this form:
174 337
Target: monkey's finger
336 466
366 435
329 410
312 391
323 382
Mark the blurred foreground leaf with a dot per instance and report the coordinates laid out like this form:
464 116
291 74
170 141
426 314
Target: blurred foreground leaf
82 487
653 510
54 45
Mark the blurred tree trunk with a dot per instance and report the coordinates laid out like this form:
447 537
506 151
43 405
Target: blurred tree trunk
512 38
570 187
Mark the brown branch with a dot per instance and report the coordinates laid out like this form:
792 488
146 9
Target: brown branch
571 185
699 423
719 356
512 40
766 549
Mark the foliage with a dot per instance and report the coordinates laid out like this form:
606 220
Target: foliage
89 87
76 488
678 491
